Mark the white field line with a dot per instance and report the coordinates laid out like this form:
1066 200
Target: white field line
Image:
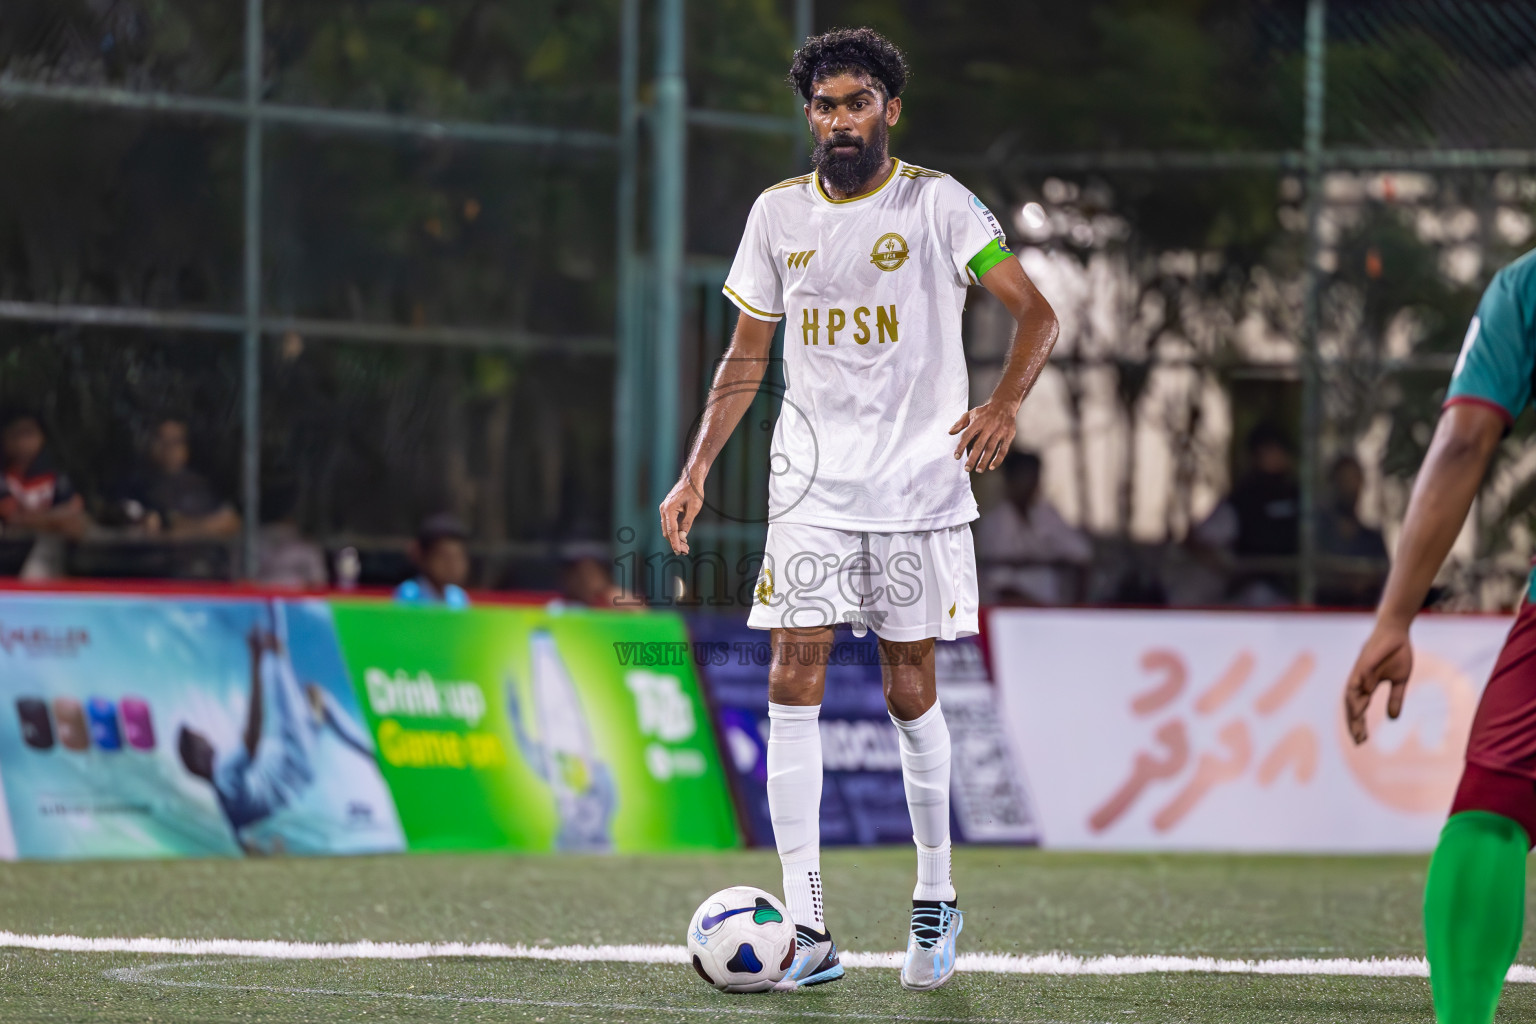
150 975
983 963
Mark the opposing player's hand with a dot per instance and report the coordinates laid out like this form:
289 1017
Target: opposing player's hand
678 511
987 432
1387 657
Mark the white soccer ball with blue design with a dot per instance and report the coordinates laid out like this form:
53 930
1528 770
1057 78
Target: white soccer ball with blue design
741 940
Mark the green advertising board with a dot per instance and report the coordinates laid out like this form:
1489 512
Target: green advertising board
536 729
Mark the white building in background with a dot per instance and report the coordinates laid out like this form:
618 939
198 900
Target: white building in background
1149 472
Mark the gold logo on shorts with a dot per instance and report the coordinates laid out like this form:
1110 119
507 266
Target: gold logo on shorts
890 252
764 591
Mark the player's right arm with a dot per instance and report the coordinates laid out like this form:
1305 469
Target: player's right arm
754 287
736 383
1490 387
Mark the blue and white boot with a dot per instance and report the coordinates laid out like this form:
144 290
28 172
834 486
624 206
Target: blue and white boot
815 960
931 944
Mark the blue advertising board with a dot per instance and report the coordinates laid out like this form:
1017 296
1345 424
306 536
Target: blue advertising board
863 801
133 727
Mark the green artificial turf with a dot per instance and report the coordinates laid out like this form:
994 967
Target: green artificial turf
1015 900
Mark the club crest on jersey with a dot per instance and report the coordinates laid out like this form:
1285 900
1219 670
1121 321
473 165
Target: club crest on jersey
890 252
764 591
799 260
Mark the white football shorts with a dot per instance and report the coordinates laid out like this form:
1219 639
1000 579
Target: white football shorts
904 586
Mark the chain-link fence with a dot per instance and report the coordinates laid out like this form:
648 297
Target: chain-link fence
410 305
361 252
1184 277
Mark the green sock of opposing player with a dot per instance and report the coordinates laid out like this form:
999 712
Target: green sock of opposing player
1474 909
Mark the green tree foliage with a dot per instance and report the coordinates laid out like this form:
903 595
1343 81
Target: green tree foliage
146 211
134 210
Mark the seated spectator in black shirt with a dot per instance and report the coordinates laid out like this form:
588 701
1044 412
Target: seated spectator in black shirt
1339 530
1268 498
36 496
1341 535
1260 519
175 500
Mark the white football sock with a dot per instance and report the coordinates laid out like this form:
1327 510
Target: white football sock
925 772
794 803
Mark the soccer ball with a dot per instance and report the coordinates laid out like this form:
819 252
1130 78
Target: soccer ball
741 940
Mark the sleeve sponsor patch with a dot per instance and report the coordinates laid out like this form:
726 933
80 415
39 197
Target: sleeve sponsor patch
988 221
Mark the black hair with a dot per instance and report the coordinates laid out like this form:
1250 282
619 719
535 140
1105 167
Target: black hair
1269 434
442 526
196 752
279 498
1343 460
849 49
10 417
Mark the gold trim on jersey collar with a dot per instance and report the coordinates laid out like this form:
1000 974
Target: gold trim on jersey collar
896 166
804 179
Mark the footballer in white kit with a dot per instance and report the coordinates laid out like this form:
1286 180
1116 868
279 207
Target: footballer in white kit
867 261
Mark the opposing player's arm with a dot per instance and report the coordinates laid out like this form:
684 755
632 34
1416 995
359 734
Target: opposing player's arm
987 430
736 382
1489 387
1458 458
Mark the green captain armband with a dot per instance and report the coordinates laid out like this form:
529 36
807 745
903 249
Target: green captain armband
993 253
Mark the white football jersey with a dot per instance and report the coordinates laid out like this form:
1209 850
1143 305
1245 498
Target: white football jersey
871 290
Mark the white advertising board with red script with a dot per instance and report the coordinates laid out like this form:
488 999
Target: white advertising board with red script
1225 731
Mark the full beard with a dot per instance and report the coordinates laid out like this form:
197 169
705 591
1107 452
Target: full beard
846 173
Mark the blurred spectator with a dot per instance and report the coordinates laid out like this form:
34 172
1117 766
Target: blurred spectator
1341 535
1339 530
170 498
587 581
36 496
287 558
1260 519
1028 552
442 564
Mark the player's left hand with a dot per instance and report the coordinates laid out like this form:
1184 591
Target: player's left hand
987 432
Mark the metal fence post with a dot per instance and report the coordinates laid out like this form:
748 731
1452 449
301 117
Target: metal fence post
805 24
628 448
251 338
1311 382
668 228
